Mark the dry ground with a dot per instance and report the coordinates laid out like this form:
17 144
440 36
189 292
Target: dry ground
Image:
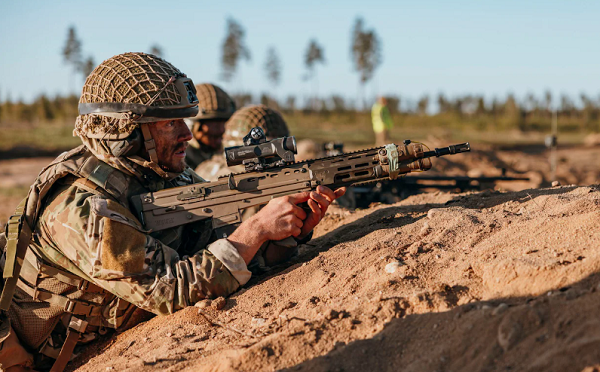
437 282
496 280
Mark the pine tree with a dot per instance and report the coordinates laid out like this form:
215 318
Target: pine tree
314 54
72 53
234 49
365 53
273 67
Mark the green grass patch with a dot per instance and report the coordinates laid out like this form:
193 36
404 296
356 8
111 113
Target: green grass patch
47 136
352 128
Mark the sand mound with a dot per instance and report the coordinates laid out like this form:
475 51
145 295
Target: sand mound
486 281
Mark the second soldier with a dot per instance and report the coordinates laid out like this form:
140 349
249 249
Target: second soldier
215 107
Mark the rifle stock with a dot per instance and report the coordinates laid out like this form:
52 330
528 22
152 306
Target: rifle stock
225 199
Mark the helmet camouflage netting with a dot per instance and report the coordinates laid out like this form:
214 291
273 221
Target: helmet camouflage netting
129 78
247 118
213 102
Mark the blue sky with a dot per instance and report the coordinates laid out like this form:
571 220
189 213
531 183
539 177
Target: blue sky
456 47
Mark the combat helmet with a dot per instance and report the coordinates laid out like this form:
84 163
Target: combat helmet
213 103
249 117
128 91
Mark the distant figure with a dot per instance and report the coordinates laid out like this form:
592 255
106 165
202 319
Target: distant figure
215 108
382 122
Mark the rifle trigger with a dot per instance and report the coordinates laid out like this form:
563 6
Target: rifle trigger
231 182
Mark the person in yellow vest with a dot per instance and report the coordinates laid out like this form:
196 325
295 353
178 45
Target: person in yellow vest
382 122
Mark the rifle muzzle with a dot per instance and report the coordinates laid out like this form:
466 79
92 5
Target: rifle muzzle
450 150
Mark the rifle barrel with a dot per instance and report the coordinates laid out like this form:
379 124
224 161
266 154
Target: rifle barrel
450 150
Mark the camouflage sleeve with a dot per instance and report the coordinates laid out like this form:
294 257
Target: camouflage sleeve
104 241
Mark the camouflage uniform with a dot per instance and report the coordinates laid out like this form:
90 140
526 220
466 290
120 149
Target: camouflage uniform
214 104
90 266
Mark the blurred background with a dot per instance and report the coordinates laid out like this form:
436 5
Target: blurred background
503 75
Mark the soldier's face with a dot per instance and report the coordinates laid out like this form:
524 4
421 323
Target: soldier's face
171 137
210 133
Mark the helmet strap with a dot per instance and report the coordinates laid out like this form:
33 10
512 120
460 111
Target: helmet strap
149 143
150 147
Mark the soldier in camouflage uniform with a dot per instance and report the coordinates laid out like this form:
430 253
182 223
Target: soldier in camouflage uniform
215 108
78 262
236 128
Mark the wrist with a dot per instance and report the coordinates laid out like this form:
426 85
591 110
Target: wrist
248 238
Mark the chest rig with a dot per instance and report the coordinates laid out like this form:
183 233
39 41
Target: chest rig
53 309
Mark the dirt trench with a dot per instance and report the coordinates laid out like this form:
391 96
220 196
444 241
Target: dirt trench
440 282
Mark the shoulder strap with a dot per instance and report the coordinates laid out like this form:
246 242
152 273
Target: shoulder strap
18 235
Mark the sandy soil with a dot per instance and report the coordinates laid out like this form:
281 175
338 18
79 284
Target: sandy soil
494 280
485 281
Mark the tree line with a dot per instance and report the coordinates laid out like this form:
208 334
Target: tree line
365 51
365 54
528 113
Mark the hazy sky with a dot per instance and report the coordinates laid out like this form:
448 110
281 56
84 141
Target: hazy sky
456 47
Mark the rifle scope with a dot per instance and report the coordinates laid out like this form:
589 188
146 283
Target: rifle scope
274 150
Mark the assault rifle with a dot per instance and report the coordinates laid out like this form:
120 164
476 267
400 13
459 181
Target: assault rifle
270 173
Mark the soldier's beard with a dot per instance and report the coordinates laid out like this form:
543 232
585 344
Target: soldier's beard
172 158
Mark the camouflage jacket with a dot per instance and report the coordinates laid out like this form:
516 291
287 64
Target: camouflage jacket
86 227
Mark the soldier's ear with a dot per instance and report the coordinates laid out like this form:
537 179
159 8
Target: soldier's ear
129 146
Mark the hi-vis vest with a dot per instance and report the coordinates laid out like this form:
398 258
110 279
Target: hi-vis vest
31 283
381 118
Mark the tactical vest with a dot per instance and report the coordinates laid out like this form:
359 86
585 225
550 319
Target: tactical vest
44 301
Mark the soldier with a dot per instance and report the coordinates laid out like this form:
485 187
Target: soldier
215 107
236 128
78 263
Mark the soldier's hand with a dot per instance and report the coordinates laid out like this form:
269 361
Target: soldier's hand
319 201
282 217
279 219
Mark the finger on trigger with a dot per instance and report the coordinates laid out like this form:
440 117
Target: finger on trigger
326 191
319 198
